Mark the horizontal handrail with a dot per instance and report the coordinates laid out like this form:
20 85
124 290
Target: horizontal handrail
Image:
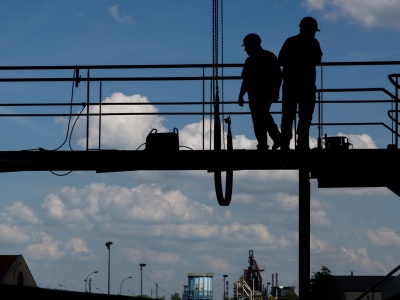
198 107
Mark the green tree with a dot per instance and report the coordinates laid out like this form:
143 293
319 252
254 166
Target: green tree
324 286
175 296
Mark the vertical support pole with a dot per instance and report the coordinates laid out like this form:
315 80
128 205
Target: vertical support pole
397 113
100 97
304 233
87 109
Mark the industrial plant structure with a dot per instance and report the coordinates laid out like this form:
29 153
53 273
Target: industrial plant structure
200 286
249 285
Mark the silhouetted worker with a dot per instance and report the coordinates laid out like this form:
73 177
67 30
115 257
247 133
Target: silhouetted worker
299 56
262 80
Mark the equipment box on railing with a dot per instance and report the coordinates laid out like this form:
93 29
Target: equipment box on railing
162 141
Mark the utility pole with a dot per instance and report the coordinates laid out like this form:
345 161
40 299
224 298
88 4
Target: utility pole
108 245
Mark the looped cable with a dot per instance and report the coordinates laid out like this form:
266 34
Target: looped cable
222 201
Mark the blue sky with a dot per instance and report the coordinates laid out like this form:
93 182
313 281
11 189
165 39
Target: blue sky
171 220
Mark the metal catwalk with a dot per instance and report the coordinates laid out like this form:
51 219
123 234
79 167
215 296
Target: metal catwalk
333 163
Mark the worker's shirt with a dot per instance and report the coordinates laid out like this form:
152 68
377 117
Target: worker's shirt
262 76
299 56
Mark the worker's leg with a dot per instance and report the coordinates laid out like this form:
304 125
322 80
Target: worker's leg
306 110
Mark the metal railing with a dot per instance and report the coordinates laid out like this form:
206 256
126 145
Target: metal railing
192 86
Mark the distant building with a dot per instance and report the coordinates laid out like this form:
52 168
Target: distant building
16 282
282 291
185 292
200 286
250 285
15 271
354 286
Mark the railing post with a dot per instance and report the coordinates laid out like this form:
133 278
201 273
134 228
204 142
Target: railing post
397 112
87 110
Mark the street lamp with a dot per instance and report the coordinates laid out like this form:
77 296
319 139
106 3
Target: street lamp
120 288
86 280
63 286
141 278
224 286
100 290
131 292
108 244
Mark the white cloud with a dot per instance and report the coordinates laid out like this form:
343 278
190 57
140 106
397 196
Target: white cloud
79 249
361 257
215 264
360 141
191 136
383 237
76 245
137 255
317 245
12 234
318 213
114 12
369 13
21 214
57 210
122 132
286 202
46 249
319 218
358 192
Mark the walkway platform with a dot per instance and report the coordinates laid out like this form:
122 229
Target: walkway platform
331 167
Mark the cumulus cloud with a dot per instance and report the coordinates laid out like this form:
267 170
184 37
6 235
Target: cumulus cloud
286 202
122 132
215 264
383 237
318 214
57 210
359 192
12 234
361 257
317 245
191 136
368 13
360 141
78 247
129 132
20 213
148 203
45 249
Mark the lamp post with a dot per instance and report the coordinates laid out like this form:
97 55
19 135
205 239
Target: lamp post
224 286
108 244
63 286
131 292
100 290
120 288
86 280
141 279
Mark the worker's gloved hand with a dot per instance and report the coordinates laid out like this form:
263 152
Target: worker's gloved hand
241 101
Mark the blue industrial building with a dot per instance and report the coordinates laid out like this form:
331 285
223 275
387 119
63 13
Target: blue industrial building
200 286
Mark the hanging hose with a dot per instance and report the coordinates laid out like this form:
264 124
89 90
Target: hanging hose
222 201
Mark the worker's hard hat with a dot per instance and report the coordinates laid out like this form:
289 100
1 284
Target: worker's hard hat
251 39
309 23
